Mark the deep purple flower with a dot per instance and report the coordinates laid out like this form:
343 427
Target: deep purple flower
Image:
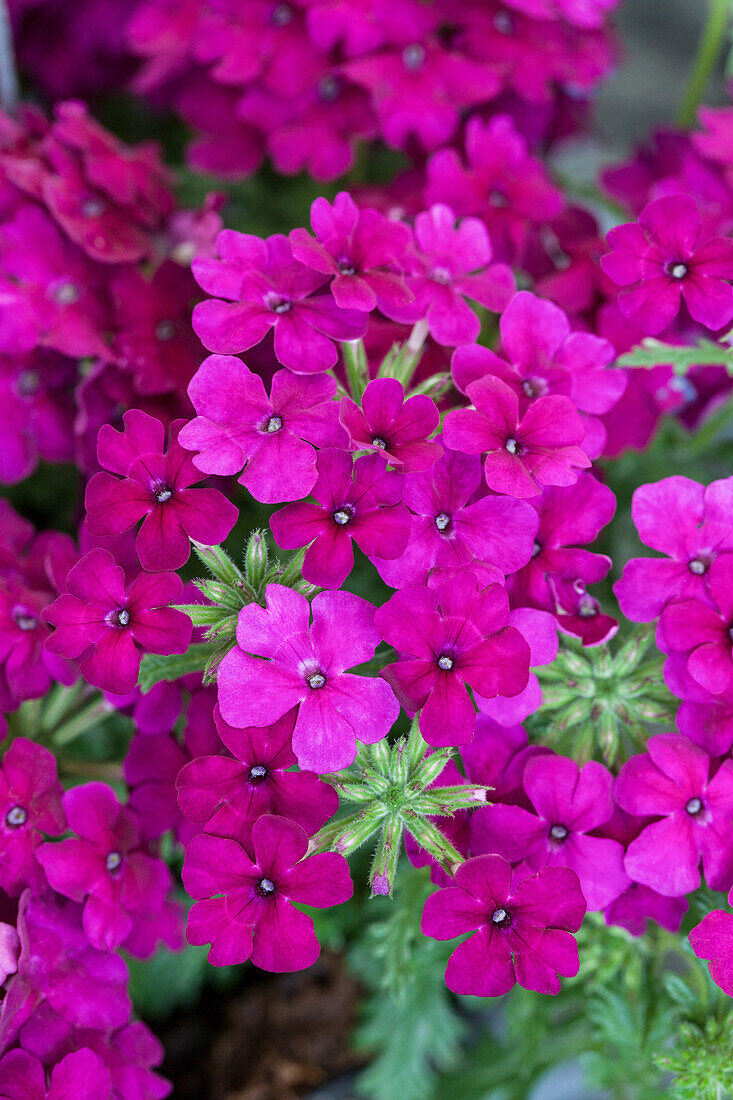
688 522
569 803
267 288
449 638
358 500
30 805
703 629
523 454
106 625
247 890
451 531
522 932
662 261
674 780
273 437
26 666
396 426
304 666
104 866
82 1073
230 792
712 939
155 488
449 264
497 757
358 247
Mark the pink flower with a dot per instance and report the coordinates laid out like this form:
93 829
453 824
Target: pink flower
712 939
674 781
273 437
449 638
305 666
104 866
662 261
267 288
247 890
359 501
155 487
397 427
30 805
702 629
449 264
525 453
229 793
81 1073
569 803
106 625
491 537
689 523
522 932
359 248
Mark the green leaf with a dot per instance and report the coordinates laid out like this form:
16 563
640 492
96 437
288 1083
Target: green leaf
155 667
171 980
654 353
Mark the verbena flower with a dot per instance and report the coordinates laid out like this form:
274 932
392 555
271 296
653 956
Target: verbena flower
522 931
247 890
283 660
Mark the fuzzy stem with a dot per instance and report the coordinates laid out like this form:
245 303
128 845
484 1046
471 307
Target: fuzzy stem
91 712
8 71
708 52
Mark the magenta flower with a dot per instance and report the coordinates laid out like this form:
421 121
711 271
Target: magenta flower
523 454
30 805
545 357
452 263
358 500
712 939
247 890
449 638
674 780
305 666
662 262
359 248
155 488
267 288
569 516
26 666
51 294
491 537
569 804
397 427
273 438
702 629
104 866
497 757
151 765
107 626
81 1073
231 792
419 91
689 523
522 934
86 987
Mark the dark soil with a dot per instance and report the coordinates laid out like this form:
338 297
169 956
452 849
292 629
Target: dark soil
280 1038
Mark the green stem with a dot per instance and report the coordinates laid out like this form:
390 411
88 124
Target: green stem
95 709
357 367
8 70
708 52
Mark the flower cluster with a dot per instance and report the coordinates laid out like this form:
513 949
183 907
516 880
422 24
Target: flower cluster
302 82
95 286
